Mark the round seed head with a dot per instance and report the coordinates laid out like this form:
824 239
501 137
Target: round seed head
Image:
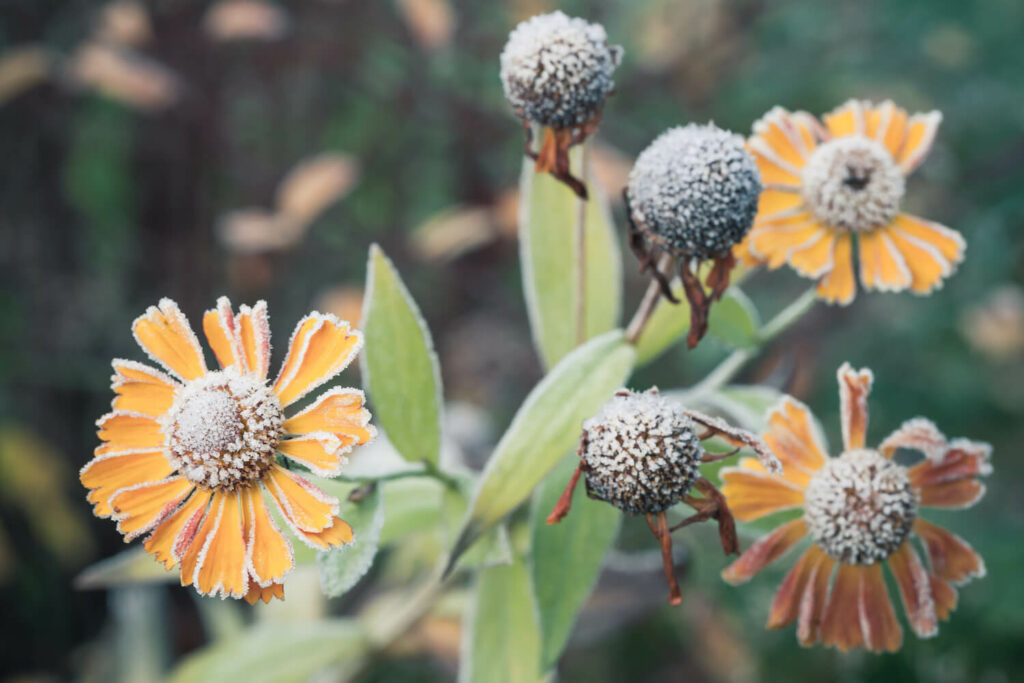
640 453
223 429
557 70
853 183
694 190
860 507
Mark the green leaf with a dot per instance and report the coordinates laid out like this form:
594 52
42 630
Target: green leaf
127 567
548 216
413 505
546 427
341 568
273 652
399 365
669 323
501 643
567 556
734 320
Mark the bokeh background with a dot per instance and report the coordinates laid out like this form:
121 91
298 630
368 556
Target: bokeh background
188 149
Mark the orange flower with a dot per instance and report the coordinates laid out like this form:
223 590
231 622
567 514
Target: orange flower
861 511
825 185
188 456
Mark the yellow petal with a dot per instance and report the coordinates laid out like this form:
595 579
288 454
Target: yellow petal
140 507
254 333
846 119
751 495
321 347
269 554
921 131
141 389
172 537
164 333
838 286
221 332
304 506
221 569
338 411
105 475
881 264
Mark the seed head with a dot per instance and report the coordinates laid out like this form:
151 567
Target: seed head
854 183
223 429
695 190
640 453
860 507
557 70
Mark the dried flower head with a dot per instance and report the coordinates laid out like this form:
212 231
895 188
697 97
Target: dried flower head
642 453
556 72
692 196
861 511
188 455
831 184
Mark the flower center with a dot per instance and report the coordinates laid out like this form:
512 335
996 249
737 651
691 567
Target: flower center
222 430
859 507
853 183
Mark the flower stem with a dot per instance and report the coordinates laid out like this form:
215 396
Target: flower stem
429 470
581 255
648 303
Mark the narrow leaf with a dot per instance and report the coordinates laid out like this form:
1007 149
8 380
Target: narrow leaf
273 652
567 556
341 568
127 567
546 427
501 643
548 238
400 370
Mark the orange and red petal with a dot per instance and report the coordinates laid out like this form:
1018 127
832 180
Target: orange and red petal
944 595
854 389
141 507
322 452
164 334
920 134
949 556
125 431
813 601
338 411
141 389
321 347
266 594
918 434
254 335
795 438
839 286
221 332
959 460
221 566
337 534
107 474
840 626
171 537
915 590
269 554
304 506
882 265
952 494
880 630
786 603
764 551
752 495
849 118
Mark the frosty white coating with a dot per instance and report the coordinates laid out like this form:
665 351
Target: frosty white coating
696 189
859 507
223 429
853 183
557 70
641 453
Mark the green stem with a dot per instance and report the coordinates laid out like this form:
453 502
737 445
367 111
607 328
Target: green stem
734 362
429 470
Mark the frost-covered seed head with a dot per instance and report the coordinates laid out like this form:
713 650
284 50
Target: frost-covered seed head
223 429
557 70
641 452
854 183
696 189
860 507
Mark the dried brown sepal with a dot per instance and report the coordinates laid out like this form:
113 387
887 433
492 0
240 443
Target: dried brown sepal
647 256
553 157
564 503
738 437
659 527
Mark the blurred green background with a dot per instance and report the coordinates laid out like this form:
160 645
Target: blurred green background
147 151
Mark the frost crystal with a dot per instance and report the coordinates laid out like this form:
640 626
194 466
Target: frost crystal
223 429
695 190
853 183
557 70
640 453
860 507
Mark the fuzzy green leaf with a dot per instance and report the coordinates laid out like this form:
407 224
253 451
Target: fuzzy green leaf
273 652
341 568
400 370
567 556
548 215
501 643
734 320
546 427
